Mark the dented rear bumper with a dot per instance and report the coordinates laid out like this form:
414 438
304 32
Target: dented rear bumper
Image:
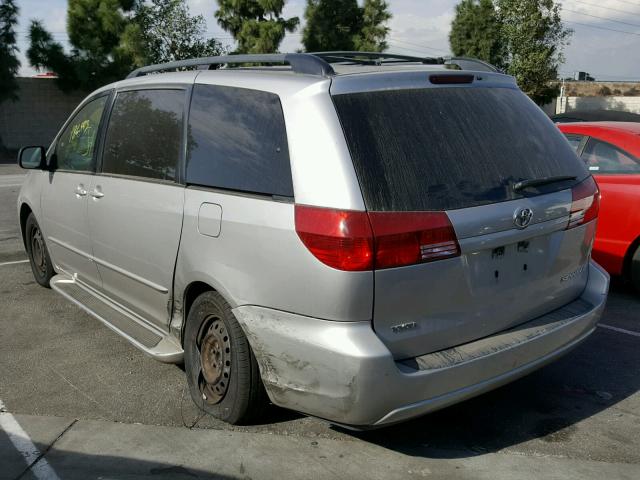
342 372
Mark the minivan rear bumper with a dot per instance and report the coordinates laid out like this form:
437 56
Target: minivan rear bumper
342 372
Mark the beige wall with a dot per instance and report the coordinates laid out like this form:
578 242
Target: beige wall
37 116
625 104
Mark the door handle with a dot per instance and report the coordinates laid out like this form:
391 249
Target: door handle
80 191
97 193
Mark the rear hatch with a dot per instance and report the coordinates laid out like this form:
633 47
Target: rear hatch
449 152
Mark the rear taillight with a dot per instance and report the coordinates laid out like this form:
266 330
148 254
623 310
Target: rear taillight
356 241
407 238
585 203
341 239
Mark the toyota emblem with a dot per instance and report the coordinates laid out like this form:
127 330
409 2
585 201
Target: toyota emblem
522 217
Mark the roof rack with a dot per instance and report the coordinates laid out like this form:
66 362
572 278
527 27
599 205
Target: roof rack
300 63
372 58
468 63
317 63
382 58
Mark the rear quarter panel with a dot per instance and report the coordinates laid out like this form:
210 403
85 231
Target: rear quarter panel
257 259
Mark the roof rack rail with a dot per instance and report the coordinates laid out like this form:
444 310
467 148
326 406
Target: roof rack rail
467 63
372 58
382 58
300 63
317 63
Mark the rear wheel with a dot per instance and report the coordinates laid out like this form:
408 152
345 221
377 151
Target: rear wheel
634 270
39 259
222 372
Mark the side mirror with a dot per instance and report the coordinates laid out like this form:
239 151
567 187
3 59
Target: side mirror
32 157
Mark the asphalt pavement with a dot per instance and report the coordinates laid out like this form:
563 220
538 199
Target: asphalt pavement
77 401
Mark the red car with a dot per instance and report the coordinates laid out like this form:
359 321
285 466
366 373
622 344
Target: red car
611 151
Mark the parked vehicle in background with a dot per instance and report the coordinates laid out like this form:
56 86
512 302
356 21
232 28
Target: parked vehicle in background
595 116
349 235
611 151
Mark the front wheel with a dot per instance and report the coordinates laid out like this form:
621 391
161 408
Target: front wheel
39 259
222 372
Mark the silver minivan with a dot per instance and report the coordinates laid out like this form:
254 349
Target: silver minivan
364 238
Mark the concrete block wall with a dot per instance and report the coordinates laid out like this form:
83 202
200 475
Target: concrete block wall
625 104
37 116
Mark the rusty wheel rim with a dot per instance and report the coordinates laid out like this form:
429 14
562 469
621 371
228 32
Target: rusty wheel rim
214 351
37 251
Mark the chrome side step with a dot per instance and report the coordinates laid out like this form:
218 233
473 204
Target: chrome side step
148 338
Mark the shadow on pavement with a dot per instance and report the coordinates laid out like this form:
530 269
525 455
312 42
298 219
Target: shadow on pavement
72 465
545 405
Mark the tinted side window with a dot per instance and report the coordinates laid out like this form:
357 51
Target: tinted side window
602 157
76 145
238 141
144 136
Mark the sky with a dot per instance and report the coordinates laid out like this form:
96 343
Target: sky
605 41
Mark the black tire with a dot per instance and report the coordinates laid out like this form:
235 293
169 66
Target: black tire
39 259
231 391
634 270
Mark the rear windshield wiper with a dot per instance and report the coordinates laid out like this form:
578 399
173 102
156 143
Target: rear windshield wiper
537 182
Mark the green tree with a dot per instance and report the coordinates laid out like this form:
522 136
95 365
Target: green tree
9 62
373 35
332 25
476 32
526 38
257 25
97 31
535 38
164 31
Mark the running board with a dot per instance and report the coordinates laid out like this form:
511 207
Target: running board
151 340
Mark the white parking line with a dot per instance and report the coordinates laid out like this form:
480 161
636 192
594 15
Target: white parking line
620 330
21 441
14 262
11 180
13 176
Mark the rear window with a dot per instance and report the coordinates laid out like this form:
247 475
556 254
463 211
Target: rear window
450 148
